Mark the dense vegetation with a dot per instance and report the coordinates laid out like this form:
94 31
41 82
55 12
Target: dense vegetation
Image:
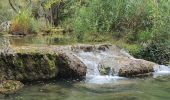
141 26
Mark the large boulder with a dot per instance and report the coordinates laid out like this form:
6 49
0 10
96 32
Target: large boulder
126 67
39 63
135 67
70 66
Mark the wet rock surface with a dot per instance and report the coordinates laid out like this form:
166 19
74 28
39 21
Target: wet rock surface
135 67
112 60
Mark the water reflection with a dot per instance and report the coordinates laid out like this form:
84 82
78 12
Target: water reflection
36 40
132 89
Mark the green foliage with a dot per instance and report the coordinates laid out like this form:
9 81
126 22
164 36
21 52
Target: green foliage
24 23
112 15
158 49
143 24
156 52
48 3
5 12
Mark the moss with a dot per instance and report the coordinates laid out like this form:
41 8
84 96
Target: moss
134 49
10 86
38 63
18 62
51 61
30 64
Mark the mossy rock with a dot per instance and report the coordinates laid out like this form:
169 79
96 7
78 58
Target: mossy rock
30 63
10 86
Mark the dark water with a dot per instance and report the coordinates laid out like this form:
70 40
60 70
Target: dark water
129 89
125 89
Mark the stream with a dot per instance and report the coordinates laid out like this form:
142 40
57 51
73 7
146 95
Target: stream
95 86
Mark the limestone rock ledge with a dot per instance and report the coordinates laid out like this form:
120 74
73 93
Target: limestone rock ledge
117 61
39 63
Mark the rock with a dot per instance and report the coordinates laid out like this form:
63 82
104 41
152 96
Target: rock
135 67
5 26
90 48
82 47
112 60
10 86
108 66
39 63
28 66
70 66
29 63
126 67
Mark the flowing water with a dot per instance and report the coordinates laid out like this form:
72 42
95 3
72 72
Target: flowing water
97 86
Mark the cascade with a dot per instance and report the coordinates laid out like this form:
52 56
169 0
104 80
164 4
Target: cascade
160 70
93 60
98 60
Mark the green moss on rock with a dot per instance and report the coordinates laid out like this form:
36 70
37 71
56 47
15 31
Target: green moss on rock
9 86
38 63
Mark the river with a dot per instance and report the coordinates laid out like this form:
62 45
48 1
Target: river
94 86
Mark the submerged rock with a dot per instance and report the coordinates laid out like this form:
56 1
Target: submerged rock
9 86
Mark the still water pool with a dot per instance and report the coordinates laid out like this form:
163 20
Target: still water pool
125 89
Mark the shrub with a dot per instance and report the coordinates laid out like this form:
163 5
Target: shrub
156 52
24 23
158 49
114 16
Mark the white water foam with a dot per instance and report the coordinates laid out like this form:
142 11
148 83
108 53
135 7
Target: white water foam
92 60
99 79
161 70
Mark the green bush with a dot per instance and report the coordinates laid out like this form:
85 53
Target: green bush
114 16
24 23
158 48
156 52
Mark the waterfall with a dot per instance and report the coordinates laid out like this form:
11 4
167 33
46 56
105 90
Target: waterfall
103 66
92 60
160 70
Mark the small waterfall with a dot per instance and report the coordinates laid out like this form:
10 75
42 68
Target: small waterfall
161 70
97 61
111 71
92 60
